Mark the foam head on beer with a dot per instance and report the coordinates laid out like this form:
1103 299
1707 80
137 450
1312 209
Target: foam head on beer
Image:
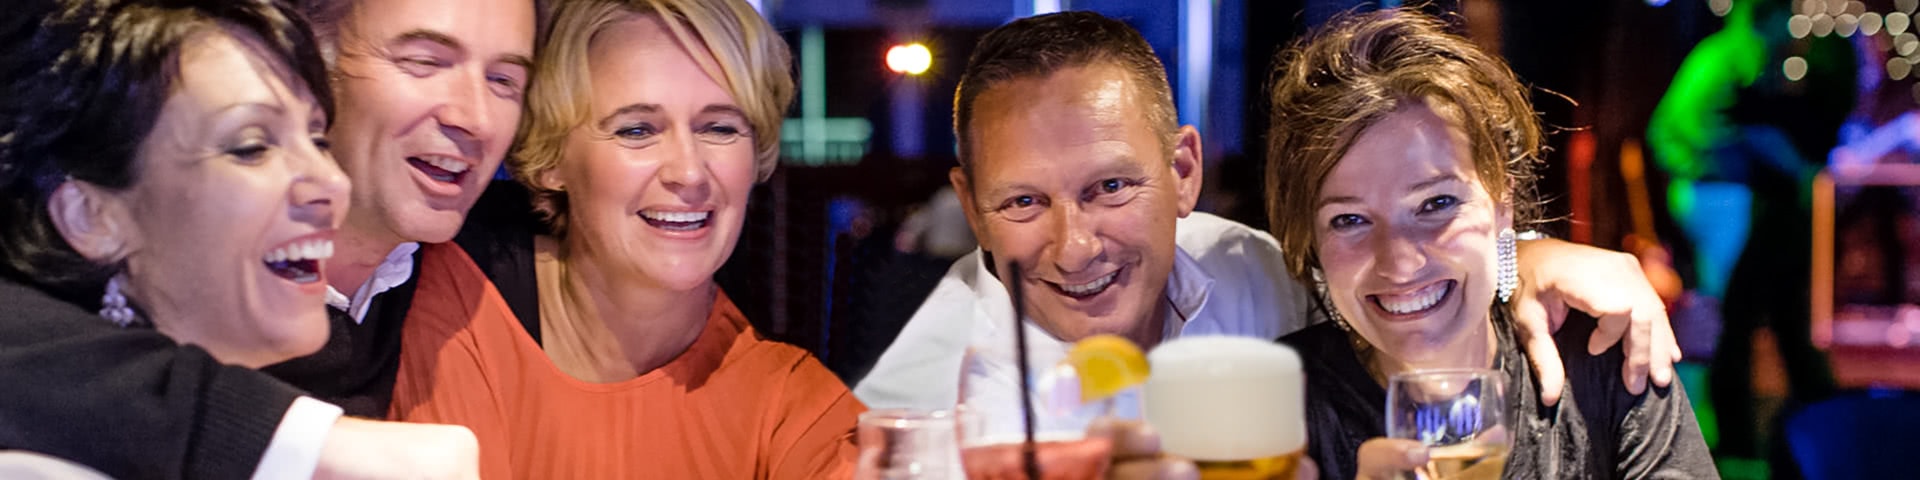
1222 398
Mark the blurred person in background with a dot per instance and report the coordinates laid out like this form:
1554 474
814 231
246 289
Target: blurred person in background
1741 144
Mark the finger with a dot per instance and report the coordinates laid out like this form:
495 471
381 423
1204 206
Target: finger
1531 312
1547 367
1384 458
1639 350
1306 470
1665 352
1608 330
1130 438
868 464
1531 304
1162 468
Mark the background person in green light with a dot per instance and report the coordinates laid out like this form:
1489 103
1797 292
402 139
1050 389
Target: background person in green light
1740 141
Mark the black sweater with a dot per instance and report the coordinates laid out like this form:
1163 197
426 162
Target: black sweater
1598 430
360 361
129 402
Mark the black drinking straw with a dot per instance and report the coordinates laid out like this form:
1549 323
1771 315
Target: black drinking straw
1028 452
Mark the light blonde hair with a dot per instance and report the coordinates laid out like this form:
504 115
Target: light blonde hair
748 58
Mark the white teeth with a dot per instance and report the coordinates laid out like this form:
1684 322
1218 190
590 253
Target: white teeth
676 217
445 163
305 250
1416 301
1091 287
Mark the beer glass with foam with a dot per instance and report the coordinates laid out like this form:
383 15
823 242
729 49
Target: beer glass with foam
1234 405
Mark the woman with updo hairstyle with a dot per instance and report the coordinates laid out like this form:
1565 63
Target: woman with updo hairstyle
167 202
1401 159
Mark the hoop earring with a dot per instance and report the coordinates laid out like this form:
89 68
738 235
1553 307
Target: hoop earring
113 304
1509 278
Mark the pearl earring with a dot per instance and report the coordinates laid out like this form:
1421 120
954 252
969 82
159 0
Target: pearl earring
113 304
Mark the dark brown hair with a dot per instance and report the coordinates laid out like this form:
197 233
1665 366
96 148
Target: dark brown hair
85 81
1332 85
1038 46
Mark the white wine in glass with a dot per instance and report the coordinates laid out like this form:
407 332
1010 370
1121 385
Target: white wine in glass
1459 414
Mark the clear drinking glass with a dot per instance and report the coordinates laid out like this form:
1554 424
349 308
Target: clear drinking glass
1459 414
913 444
993 427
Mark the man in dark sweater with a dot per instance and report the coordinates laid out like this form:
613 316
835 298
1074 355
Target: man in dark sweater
428 97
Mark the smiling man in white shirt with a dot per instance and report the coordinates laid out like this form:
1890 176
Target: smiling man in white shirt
1073 165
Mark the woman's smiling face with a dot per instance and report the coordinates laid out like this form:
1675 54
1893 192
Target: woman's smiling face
234 207
1405 231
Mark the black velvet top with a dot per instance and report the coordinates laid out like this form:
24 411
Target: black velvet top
1598 430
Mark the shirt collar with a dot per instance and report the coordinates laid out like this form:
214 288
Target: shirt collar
395 270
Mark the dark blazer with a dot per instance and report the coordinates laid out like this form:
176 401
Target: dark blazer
129 402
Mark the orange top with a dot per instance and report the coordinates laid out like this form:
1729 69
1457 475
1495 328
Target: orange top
733 406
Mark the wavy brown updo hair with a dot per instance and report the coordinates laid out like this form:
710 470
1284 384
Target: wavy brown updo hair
1348 75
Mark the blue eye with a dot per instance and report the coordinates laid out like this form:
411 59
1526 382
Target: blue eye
1022 201
1346 221
636 132
1439 203
1111 185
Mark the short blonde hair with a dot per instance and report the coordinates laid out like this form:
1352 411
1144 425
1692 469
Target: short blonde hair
749 59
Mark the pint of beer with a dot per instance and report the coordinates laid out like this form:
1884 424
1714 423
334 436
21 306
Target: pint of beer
1234 405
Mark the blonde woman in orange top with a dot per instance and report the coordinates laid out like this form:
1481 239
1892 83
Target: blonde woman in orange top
649 124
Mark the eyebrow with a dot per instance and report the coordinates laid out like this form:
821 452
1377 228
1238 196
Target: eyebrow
724 108
628 110
423 35
517 60
1417 186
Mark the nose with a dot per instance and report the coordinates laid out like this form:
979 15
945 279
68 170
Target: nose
319 192
1399 254
466 114
1076 244
684 169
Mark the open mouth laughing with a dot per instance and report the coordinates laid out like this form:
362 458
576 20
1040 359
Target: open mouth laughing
677 221
1087 289
1415 303
440 168
298 260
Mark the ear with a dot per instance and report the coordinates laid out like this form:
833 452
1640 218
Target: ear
94 221
1187 168
963 188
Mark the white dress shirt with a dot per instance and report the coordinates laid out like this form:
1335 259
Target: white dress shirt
1227 279
395 270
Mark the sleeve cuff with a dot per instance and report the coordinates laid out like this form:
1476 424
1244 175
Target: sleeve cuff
294 451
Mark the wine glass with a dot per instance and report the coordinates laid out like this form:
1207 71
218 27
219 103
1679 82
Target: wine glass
912 444
1459 414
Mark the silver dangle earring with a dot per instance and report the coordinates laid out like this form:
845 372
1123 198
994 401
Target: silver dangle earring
1333 313
113 305
1509 265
